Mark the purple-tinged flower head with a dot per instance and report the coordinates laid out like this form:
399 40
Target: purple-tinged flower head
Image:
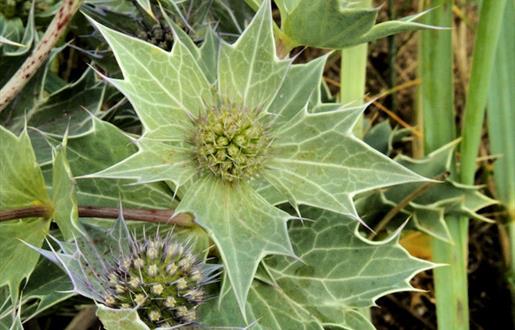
159 277
162 279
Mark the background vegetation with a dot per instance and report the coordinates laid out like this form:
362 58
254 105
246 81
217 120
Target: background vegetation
442 97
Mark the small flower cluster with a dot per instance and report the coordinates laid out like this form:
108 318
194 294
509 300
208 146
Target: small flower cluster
231 142
162 280
159 34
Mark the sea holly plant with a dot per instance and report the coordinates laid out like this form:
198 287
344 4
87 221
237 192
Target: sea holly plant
234 132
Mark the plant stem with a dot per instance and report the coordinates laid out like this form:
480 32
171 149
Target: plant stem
402 204
436 93
31 65
436 102
353 70
436 116
25 212
147 215
392 53
487 36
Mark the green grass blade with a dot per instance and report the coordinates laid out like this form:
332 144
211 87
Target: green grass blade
436 107
436 93
501 126
487 35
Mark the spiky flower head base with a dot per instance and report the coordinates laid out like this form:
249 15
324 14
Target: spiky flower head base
231 143
158 277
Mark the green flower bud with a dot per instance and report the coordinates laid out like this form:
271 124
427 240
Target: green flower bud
233 150
222 141
160 35
240 140
154 315
239 137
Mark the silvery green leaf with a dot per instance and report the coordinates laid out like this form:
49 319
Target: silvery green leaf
312 157
320 163
249 72
5 41
378 137
389 28
52 109
432 201
325 24
339 267
101 146
67 108
338 272
243 226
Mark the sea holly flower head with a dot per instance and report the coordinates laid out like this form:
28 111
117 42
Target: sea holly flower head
230 143
157 276
237 130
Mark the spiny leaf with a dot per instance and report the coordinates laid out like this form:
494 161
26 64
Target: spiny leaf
47 286
67 108
22 185
340 268
100 147
300 83
431 202
243 225
325 24
267 308
338 271
15 31
156 160
49 104
5 41
249 73
389 28
316 156
163 87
